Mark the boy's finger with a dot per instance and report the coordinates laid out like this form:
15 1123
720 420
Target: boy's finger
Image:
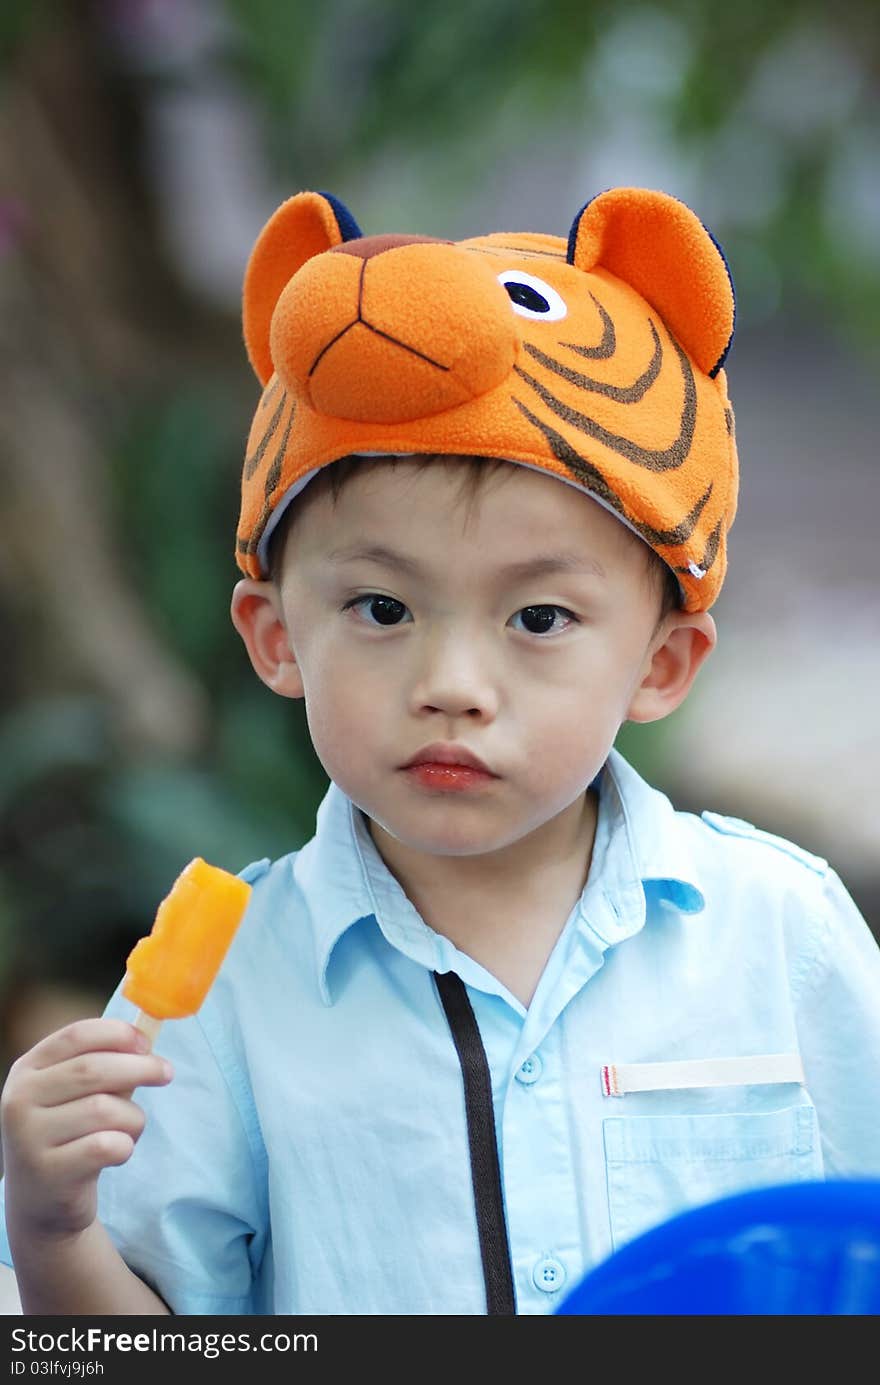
86 1036
92 1073
85 1157
100 1111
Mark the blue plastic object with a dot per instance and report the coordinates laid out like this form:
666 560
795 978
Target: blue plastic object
799 1248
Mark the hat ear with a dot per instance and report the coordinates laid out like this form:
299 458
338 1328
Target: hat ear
303 226
660 247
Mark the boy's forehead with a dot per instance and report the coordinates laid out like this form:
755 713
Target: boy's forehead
518 514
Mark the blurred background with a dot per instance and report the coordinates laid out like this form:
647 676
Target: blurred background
143 143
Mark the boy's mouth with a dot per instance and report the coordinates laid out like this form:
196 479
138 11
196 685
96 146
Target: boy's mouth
447 755
448 778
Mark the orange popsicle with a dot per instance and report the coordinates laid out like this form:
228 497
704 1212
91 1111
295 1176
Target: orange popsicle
169 973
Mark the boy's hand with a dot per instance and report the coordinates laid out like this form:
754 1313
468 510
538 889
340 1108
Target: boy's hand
66 1113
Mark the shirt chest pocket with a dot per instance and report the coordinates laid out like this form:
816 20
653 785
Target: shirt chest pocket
657 1166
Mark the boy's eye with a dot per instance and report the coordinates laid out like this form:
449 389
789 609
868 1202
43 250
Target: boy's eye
540 620
532 297
384 607
386 610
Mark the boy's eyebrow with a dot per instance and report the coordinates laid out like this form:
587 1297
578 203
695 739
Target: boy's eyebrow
539 566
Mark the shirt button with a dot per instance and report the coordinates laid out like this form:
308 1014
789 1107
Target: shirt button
529 1071
548 1275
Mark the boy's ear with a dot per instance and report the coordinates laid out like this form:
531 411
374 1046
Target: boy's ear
683 643
258 617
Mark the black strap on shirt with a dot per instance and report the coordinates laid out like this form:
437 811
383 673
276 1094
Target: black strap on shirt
485 1169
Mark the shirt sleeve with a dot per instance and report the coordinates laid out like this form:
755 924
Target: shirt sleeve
838 1019
188 1211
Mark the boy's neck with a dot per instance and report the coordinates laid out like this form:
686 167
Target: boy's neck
505 911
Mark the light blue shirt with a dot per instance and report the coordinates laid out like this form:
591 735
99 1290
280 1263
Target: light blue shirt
311 1154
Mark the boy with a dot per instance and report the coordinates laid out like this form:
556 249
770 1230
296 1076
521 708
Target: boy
507 1008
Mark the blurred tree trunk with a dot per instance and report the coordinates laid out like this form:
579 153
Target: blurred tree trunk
87 311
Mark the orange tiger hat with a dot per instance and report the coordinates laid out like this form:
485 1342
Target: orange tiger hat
598 361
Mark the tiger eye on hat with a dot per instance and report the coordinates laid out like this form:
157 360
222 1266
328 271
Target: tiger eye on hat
599 360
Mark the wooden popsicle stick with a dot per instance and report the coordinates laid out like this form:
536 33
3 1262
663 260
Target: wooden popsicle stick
148 1025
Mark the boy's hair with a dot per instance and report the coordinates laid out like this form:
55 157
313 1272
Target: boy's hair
474 473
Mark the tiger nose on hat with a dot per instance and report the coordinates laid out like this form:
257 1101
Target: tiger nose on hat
386 329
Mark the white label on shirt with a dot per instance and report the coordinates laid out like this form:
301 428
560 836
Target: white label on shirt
620 1078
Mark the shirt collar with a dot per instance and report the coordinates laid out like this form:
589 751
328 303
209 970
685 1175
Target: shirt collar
658 839
639 839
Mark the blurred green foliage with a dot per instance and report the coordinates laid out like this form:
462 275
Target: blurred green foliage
455 88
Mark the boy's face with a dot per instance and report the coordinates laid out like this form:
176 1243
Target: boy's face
533 674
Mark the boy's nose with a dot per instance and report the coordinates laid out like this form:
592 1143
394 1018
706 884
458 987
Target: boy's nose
456 678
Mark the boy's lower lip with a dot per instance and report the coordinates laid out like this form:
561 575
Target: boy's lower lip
448 778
